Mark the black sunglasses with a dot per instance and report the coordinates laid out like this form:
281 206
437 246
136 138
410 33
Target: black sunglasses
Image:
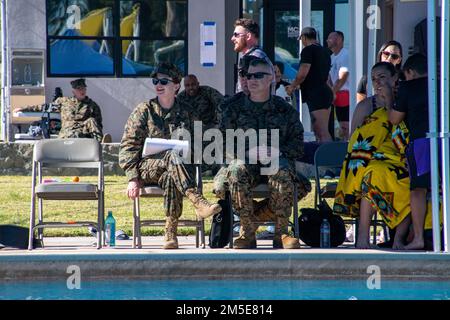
242 73
238 34
256 75
163 81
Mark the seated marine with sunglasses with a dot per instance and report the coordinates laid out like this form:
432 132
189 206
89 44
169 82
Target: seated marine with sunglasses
262 111
159 118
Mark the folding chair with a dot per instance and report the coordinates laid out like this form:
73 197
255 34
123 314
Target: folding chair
331 155
66 153
154 191
261 191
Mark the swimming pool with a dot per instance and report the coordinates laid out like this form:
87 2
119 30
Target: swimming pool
226 290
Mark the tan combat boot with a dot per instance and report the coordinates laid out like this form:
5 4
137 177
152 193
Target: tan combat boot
281 238
247 236
170 236
203 208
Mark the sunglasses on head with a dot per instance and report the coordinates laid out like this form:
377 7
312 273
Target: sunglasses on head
388 54
163 81
256 75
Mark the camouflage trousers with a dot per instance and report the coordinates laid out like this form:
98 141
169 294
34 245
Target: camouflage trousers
172 175
86 129
243 177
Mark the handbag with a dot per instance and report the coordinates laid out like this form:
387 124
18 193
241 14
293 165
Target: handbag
310 221
219 235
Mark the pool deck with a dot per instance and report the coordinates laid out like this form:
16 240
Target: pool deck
152 262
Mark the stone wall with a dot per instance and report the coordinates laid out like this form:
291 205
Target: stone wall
16 159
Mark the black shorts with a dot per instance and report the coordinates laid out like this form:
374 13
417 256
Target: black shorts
422 181
342 113
319 99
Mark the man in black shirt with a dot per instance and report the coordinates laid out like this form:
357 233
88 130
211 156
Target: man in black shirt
312 76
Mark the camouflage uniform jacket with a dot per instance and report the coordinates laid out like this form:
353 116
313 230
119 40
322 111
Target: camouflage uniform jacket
240 112
74 113
149 119
204 105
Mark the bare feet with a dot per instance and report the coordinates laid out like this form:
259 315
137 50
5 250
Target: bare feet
418 244
398 245
363 244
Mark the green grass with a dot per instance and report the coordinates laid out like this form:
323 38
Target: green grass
15 206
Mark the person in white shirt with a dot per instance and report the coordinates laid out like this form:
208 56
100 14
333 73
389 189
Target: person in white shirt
338 79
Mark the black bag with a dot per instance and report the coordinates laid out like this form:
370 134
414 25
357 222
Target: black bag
14 237
310 221
219 236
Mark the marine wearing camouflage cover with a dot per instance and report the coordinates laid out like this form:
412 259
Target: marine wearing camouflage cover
79 119
166 169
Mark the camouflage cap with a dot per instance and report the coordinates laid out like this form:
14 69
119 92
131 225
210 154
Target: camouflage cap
169 69
78 83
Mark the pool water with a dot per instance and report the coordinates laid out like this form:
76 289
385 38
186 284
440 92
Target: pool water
226 290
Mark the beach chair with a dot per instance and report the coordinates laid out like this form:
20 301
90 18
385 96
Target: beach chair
66 153
152 191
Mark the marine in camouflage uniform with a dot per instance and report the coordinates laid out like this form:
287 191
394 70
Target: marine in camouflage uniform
243 113
79 118
204 102
166 169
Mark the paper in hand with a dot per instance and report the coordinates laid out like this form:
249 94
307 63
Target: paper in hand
157 145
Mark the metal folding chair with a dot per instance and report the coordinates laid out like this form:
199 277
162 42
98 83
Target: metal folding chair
261 191
154 191
331 155
66 153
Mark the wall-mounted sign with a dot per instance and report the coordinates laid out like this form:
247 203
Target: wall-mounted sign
293 32
208 44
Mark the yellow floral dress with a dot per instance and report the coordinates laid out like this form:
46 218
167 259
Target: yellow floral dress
375 169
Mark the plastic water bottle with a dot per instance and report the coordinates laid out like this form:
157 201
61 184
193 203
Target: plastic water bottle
325 234
110 230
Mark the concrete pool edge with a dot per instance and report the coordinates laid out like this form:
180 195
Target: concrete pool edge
225 265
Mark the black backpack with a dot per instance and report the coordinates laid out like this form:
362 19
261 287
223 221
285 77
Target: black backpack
219 236
310 221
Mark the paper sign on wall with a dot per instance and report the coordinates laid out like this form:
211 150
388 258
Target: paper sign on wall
208 44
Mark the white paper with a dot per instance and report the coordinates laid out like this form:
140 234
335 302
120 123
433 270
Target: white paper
157 145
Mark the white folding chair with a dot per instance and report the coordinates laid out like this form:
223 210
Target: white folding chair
66 153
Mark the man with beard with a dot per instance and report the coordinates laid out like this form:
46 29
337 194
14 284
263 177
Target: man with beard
245 39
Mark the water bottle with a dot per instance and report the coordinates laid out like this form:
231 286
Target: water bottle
110 230
325 241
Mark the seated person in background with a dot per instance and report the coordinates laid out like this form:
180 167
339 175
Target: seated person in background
280 89
412 105
204 101
260 110
160 118
374 173
80 116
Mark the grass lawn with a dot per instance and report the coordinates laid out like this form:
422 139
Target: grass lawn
15 206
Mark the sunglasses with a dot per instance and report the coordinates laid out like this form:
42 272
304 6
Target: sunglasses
256 75
238 34
387 54
163 81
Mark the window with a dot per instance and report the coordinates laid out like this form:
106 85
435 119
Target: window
121 38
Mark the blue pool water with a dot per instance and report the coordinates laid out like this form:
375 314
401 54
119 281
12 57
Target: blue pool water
227 290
